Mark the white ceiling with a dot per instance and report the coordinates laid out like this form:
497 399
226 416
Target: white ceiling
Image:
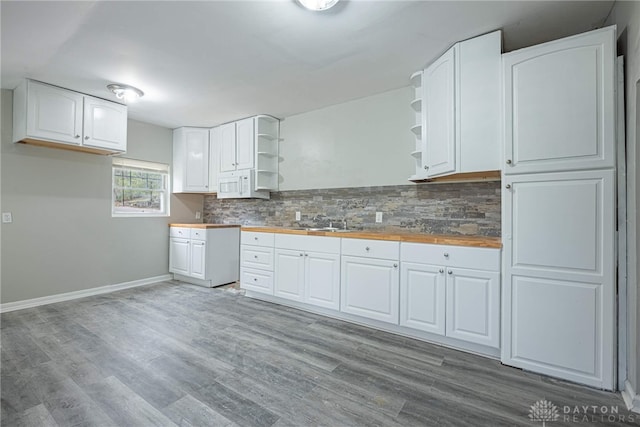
206 63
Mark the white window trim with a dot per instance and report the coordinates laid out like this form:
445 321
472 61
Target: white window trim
141 165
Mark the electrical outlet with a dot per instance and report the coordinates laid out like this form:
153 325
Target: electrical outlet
198 214
378 216
7 218
297 216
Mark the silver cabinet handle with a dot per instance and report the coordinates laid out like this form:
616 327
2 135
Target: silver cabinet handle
446 255
441 270
255 238
86 137
508 186
395 265
306 254
255 279
77 136
367 248
255 256
450 272
301 254
508 161
426 167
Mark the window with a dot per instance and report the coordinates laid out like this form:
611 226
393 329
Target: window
140 188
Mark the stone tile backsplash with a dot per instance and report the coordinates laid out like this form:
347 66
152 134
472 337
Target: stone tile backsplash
443 208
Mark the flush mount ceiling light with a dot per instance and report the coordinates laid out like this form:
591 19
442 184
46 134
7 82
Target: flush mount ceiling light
318 5
125 92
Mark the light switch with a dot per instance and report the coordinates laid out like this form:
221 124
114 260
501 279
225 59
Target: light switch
198 214
297 216
378 216
7 218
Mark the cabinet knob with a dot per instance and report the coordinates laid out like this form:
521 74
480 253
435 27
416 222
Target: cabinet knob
306 254
255 238
450 272
255 279
395 265
508 186
86 137
446 254
426 167
77 136
508 161
367 248
255 256
301 254
441 270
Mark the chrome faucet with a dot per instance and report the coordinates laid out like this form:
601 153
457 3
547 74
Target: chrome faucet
344 224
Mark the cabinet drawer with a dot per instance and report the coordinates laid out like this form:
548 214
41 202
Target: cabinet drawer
256 239
451 256
256 257
180 232
256 280
371 248
308 243
198 234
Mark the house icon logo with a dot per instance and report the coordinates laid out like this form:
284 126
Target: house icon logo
543 411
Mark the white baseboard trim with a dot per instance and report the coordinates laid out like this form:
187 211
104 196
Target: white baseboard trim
35 302
631 399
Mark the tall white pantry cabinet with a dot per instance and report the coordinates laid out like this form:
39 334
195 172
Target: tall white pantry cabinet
559 208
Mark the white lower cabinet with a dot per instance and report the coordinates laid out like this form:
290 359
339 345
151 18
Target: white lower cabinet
473 306
422 297
440 297
370 288
208 257
289 267
179 255
305 275
256 262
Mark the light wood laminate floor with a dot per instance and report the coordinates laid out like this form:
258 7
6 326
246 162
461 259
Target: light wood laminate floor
177 354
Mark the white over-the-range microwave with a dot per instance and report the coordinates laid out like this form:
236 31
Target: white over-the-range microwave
239 185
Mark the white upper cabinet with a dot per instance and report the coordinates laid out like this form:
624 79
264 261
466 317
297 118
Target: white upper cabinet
559 105
105 124
440 115
56 117
54 113
191 160
244 143
226 136
248 144
458 97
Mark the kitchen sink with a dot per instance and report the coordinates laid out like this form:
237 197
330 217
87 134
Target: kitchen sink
327 229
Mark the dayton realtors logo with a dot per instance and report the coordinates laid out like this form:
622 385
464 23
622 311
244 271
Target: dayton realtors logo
545 411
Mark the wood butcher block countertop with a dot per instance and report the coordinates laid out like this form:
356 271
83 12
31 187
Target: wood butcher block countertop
440 239
205 225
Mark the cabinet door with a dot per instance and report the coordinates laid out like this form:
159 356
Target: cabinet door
473 306
289 274
105 124
322 279
422 297
54 114
245 139
179 256
559 104
227 142
559 282
369 288
439 106
197 159
198 259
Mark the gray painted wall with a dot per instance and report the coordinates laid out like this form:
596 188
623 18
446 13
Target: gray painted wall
63 237
626 15
361 143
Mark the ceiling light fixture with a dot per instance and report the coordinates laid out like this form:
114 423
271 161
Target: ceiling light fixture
318 5
125 92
